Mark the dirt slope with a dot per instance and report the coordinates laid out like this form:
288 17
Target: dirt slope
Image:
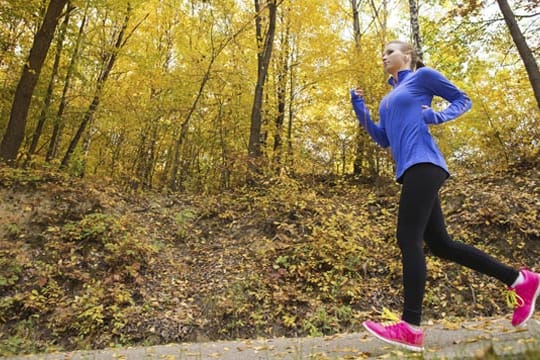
86 265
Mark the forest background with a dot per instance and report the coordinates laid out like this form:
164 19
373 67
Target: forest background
227 126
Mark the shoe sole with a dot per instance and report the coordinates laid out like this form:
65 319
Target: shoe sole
396 343
533 304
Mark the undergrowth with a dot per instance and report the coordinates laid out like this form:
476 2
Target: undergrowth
83 265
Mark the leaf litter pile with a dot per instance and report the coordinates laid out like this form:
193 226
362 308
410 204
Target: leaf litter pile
85 265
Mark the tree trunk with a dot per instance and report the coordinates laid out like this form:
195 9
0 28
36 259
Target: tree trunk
356 23
415 27
263 62
52 151
23 95
48 97
225 166
292 98
360 141
282 79
88 116
524 50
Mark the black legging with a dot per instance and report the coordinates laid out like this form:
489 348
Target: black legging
420 218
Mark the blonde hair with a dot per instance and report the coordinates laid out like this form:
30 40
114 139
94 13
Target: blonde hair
408 49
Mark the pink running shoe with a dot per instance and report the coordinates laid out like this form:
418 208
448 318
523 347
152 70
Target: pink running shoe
398 333
523 297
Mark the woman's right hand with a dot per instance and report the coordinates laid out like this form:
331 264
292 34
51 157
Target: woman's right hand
357 93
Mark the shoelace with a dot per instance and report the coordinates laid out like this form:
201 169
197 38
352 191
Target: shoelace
389 315
513 300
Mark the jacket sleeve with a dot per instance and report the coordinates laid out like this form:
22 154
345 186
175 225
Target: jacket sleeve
377 132
438 85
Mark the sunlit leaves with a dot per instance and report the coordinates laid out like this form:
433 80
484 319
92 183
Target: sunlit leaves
174 47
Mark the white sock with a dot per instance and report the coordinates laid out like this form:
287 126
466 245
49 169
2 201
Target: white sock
520 279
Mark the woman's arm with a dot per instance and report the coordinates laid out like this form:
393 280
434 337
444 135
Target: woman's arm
376 132
438 85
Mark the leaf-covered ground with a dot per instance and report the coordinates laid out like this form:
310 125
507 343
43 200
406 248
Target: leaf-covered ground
85 265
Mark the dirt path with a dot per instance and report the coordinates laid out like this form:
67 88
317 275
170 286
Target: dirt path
444 340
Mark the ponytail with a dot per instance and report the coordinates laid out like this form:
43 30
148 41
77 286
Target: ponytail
416 62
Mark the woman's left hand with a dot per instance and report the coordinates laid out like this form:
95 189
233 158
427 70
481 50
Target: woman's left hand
428 115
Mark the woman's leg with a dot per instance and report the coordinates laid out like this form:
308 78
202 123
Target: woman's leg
421 184
420 217
440 243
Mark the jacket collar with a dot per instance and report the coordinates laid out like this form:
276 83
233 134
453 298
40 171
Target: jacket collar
402 75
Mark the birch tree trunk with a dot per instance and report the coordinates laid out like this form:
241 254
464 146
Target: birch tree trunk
282 80
292 99
356 23
415 28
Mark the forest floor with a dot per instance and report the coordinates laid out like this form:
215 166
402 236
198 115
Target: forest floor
86 265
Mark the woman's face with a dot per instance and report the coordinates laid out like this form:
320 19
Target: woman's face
394 59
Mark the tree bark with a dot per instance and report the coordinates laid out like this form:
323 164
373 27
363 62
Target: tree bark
14 134
524 50
49 94
263 61
356 24
282 79
415 27
292 98
360 141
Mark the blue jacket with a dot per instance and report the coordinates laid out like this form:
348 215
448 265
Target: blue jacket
404 123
